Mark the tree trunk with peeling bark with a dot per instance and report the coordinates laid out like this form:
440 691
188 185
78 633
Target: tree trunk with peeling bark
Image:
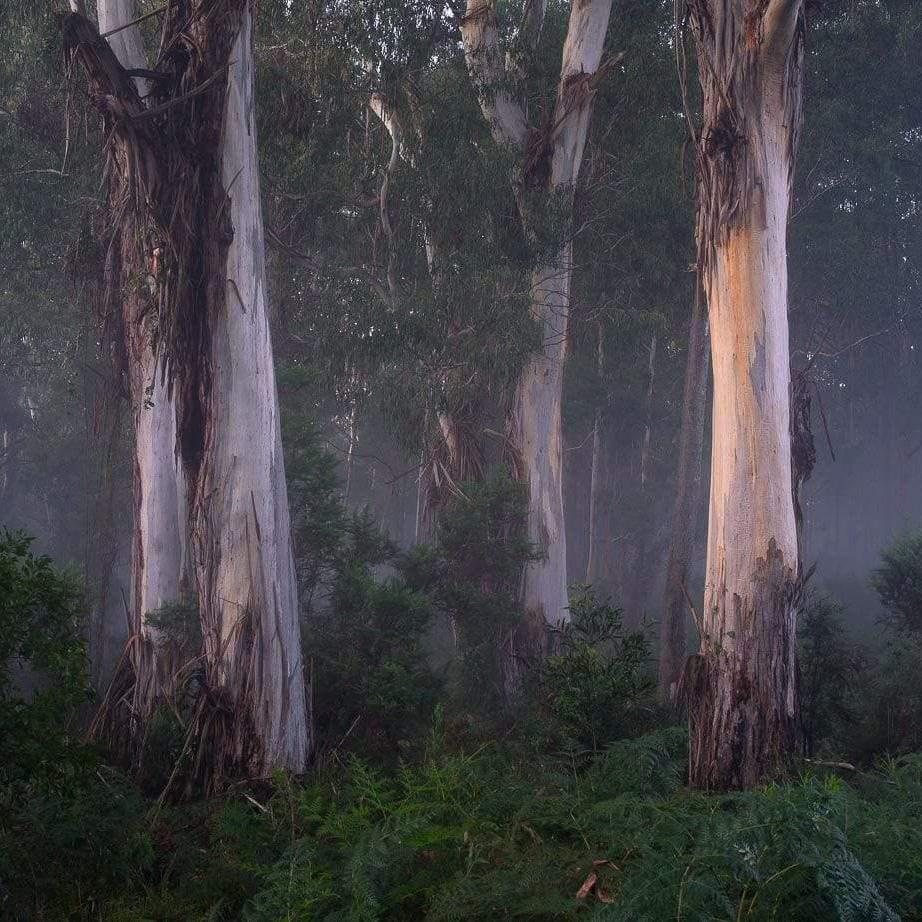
240 530
194 177
158 555
685 512
741 686
548 164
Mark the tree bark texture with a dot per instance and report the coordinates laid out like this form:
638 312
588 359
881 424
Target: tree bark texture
240 525
689 481
548 163
128 306
741 687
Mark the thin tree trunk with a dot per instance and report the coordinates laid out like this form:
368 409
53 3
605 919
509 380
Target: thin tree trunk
689 481
549 163
534 431
648 422
743 698
600 572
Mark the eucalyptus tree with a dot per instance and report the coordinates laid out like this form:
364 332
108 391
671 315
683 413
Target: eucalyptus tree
741 686
159 547
546 163
188 151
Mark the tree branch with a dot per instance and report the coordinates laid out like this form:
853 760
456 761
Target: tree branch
480 35
579 72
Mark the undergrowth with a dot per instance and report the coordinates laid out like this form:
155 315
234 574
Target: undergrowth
481 835
425 805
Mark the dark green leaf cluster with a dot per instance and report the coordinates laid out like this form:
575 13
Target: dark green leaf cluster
898 581
43 670
597 688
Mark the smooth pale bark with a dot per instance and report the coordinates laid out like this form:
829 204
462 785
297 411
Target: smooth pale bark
240 524
159 526
742 685
545 180
689 481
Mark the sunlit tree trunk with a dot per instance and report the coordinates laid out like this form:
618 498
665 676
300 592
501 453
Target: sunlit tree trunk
548 165
742 685
689 479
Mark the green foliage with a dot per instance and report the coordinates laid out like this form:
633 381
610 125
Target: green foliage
64 853
178 625
889 719
483 836
67 831
898 581
318 514
472 574
831 668
597 688
43 676
371 682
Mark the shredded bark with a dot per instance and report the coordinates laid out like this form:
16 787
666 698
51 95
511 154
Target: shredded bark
735 55
741 690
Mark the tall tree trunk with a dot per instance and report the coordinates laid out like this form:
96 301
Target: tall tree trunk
648 421
534 431
159 523
742 685
193 185
240 524
685 511
549 161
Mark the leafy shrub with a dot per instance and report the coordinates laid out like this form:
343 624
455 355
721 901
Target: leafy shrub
832 669
898 581
66 851
597 688
68 834
372 684
472 573
889 715
319 520
41 612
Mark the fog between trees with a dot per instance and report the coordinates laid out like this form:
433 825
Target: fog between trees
657 269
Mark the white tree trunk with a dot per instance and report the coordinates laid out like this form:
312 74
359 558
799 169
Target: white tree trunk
247 585
535 433
534 420
158 560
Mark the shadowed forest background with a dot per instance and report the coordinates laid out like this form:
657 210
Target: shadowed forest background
399 265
